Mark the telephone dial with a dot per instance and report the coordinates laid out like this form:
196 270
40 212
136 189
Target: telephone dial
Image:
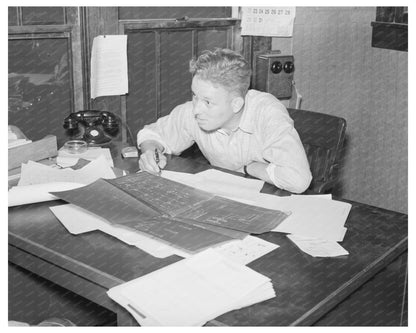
95 127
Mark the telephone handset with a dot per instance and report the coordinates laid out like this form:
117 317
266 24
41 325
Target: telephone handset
94 127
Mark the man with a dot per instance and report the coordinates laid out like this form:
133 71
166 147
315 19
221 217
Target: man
235 128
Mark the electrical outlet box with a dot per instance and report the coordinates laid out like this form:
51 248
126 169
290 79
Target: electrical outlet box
274 74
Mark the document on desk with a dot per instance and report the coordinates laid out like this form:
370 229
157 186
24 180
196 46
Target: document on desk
217 182
27 194
192 291
316 218
77 221
178 214
37 173
65 159
187 203
245 250
318 247
310 217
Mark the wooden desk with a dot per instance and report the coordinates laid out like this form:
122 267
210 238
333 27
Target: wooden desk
309 290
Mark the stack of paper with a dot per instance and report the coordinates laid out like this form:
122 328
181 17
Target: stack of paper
192 291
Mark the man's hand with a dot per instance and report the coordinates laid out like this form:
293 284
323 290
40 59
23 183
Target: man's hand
151 158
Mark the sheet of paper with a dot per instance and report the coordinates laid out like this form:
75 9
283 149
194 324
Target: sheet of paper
268 21
77 220
180 215
109 74
121 208
309 216
192 291
315 218
318 247
217 182
18 142
66 159
246 250
181 201
221 178
320 196
22 195
37 173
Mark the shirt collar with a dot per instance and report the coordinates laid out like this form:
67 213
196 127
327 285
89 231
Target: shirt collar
247 118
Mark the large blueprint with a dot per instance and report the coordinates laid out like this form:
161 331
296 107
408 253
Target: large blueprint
178 214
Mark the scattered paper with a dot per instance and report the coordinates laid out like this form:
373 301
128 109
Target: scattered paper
109 75
318 247
27 194
192 291
217 182
18 142
219 178
309 216
37 173
65 159
78 220
315 218
320 196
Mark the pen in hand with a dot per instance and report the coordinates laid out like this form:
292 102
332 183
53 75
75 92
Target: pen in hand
157 158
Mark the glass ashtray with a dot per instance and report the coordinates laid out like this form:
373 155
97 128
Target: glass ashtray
75 146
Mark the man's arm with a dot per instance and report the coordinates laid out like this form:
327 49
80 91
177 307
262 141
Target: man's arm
284 159
289 167
168 135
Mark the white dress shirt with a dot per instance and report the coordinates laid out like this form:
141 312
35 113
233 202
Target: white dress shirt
265 134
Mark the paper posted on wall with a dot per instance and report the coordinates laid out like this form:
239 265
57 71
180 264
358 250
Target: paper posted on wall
268 21
109 66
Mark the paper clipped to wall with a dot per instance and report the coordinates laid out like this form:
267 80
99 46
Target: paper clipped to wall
109 66
268 21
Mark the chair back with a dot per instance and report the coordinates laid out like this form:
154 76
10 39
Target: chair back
322 136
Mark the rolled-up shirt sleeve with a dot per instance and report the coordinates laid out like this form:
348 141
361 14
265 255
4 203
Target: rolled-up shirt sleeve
289 167
171 131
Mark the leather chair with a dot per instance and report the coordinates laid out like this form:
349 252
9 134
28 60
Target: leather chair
322 136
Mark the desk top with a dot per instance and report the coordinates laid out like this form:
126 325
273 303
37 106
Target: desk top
306 287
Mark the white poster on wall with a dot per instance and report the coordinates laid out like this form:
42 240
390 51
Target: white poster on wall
268 21
109 66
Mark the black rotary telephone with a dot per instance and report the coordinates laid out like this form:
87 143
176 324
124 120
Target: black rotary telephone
95 127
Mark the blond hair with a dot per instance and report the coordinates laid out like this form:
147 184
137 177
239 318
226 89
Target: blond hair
224 67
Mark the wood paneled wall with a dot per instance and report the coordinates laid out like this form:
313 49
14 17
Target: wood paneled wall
339 73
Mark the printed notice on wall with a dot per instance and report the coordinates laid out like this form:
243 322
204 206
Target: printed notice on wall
109 66
268 21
